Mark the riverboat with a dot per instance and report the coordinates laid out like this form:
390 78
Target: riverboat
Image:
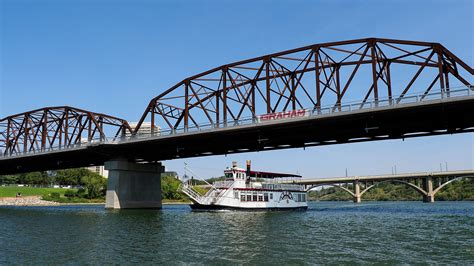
244 189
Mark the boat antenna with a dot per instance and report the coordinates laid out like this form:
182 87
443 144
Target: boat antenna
247 181
185 170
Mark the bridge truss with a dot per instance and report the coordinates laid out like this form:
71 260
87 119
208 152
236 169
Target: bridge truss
311 77
418 81
53 128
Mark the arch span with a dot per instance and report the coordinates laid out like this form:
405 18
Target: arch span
333 185
418 189
449 182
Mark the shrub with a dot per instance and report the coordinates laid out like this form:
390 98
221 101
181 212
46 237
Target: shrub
55 195
95 185
81 192
70 193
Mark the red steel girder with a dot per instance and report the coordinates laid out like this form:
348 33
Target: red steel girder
56 127
280 81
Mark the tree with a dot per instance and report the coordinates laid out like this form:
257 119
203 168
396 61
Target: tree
95 185
71 177
9 179
34 178
169 188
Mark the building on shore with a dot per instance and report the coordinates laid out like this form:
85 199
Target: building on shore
145 128
98 169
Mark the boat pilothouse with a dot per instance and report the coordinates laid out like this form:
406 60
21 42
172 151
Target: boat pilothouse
249 190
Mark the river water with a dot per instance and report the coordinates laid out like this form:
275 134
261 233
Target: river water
329 232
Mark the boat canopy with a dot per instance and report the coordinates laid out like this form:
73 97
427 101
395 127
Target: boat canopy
260 174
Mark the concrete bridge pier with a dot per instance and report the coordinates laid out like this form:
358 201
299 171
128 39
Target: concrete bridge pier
357 192
428 187
133 185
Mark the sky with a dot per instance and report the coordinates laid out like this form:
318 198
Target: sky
114 56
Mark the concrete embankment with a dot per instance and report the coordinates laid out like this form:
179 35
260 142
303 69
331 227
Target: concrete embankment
26 201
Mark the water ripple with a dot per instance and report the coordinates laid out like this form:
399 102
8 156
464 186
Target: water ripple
335 233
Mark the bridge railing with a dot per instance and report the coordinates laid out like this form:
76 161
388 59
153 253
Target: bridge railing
347 107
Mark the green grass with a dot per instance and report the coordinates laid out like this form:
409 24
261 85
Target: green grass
10 191
201 190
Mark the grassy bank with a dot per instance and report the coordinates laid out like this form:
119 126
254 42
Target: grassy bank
11 191
46 194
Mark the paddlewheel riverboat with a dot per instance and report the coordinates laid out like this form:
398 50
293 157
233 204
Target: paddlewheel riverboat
244 189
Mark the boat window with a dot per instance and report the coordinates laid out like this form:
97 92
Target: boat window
265 196
254 196
260 196
249 197
300 197
236 194
304 197
242 196
271 195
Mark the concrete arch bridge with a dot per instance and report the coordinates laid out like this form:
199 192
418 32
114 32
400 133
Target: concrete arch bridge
426 183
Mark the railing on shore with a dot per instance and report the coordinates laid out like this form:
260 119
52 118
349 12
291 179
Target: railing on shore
347 107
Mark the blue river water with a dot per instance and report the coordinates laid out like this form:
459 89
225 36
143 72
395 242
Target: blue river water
327 233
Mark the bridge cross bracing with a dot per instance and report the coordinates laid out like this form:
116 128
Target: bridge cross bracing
422 87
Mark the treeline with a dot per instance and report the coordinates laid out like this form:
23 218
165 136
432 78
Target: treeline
458 190
170 185
89 185
169 189
72 177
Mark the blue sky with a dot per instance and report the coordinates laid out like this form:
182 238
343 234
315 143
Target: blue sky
114 56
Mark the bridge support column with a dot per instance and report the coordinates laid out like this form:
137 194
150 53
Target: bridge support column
428 187
357 192
133 185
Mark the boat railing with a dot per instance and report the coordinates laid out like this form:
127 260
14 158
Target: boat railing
190 192
275 186
223 184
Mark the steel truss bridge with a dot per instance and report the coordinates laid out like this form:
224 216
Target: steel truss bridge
322 94
427 184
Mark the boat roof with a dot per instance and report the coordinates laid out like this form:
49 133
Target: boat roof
261 174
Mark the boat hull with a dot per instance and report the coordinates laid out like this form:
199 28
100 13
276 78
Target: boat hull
202 207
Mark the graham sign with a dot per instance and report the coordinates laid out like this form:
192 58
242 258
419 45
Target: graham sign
283 115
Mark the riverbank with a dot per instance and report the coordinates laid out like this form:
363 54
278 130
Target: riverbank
38 201
26 201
